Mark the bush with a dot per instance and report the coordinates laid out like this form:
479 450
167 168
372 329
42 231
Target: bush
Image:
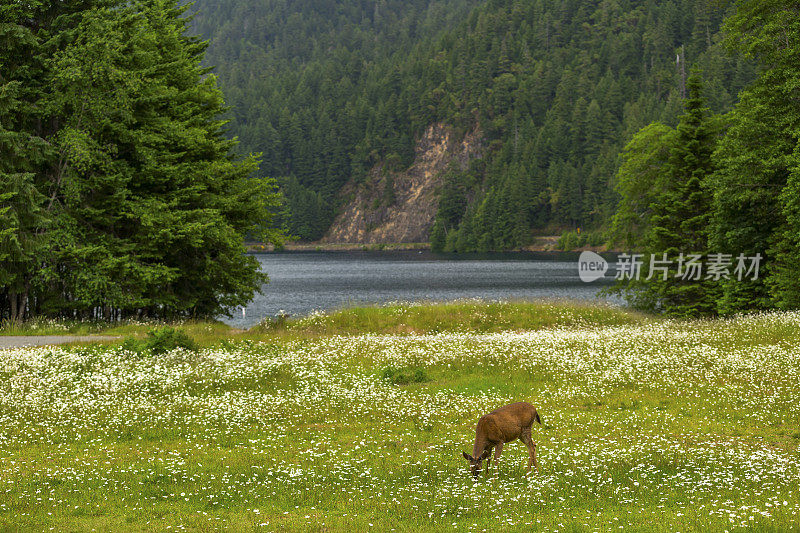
596 238
569 240
165 340
572 240
404 376
160 341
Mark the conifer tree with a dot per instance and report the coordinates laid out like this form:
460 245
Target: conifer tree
680 213
119 191
756 184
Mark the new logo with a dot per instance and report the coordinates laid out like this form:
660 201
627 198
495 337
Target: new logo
591 266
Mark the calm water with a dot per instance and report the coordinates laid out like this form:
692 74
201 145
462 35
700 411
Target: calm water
301 282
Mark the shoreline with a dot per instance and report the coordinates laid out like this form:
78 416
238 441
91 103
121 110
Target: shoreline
540 244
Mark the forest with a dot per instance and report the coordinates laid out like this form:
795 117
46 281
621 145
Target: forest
326 90
128 182
662 126
119 193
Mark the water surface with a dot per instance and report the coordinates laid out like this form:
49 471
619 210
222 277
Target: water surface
301 282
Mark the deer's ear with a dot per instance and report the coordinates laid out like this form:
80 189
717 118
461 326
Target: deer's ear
467 456
485 454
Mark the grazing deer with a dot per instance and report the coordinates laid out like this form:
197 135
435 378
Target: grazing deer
503 425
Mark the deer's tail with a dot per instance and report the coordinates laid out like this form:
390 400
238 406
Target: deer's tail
536 417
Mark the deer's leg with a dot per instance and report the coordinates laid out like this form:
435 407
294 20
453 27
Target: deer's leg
526 438
497 451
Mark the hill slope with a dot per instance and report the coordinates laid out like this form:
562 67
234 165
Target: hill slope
400 206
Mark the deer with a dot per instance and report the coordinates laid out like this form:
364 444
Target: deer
501 426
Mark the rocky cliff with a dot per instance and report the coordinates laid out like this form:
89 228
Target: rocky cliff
397 207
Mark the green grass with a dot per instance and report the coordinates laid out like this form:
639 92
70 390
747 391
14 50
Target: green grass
396 319
461 316
651 425
200 328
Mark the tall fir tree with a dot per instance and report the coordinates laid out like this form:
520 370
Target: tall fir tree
755 201
120 194
679 217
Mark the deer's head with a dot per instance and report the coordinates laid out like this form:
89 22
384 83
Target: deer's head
475 464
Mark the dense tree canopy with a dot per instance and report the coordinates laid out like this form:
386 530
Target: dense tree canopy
742 201
328 89
120 195
321 88
756 186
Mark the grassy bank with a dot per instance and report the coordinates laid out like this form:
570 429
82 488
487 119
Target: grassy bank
400 318
650 425
466 316
207 330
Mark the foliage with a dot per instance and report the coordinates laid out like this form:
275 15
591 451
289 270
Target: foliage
404 375
755 186
160 341
679 214
127 201
639 180
554 89
731 194
571 240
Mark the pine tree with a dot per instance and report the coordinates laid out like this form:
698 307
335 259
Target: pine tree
120 193
681 210
755 202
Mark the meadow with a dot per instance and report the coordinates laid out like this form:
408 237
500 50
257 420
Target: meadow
357 420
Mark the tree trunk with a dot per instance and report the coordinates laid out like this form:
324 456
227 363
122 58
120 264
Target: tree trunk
23 304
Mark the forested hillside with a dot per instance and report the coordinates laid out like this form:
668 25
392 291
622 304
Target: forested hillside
326 90
321 88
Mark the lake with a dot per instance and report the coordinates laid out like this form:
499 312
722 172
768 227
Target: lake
301 282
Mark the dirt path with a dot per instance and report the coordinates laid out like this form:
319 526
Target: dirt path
41 340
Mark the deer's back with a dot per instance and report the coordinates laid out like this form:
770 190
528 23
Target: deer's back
508 422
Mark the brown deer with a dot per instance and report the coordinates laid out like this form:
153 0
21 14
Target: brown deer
503 425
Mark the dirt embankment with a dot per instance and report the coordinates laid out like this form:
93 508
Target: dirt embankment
399 207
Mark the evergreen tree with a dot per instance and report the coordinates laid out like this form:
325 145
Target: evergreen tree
25 156
120 195
755 201
680 214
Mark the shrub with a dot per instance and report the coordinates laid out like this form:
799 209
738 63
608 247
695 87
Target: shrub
160 341
569 240
572 240
164 340
404 376
596 238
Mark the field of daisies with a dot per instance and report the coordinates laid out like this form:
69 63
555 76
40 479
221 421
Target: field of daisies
649 426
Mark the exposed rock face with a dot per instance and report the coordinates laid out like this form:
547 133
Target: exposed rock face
406 214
